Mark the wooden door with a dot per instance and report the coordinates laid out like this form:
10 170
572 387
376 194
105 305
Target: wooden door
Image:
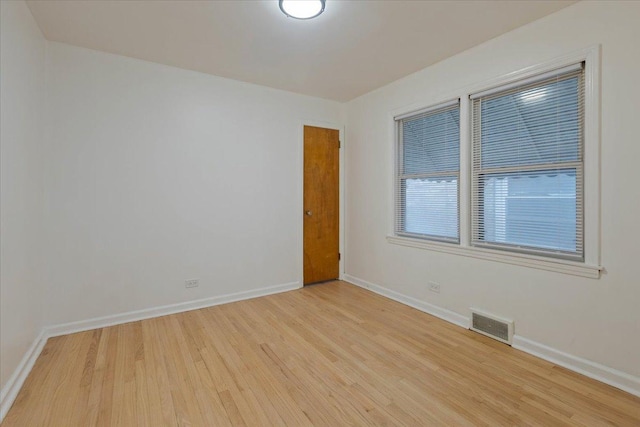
321 204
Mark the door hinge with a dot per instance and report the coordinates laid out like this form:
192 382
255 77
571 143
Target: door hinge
339 256
339 144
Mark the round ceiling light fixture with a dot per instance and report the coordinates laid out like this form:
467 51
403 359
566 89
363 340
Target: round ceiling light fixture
302 9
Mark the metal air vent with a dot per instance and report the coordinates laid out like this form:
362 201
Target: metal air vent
492 326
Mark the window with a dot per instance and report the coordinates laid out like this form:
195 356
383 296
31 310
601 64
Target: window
527 165
428 172
510 172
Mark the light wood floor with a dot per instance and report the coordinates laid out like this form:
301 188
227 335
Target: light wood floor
330 354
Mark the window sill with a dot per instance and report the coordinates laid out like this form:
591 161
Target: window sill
532 261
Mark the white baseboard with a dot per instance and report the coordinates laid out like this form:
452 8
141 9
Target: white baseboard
442 313
148 313
602 373
10 390
12 387
596 371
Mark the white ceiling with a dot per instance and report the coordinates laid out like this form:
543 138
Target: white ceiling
351 49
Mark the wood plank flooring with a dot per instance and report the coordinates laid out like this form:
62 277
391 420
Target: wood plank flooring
326 355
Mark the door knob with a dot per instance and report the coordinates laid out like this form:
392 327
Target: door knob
308 213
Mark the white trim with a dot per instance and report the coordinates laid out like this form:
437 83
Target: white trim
12 387
464 177
148 313
437 107
533 79
442 313
513 258
596 371
589 54
393 170
591 161
341 195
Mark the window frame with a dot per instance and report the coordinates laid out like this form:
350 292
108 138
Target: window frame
399 175
478 171
590 266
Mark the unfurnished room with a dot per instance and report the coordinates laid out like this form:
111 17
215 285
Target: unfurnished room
319 213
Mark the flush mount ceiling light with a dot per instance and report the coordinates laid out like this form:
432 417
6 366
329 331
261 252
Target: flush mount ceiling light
302 9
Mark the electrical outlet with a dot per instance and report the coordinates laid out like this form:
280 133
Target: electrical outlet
193 283
434 287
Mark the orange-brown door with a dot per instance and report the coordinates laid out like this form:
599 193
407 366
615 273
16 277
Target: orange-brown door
321 204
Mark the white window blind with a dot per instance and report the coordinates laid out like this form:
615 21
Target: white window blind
527 160
428 173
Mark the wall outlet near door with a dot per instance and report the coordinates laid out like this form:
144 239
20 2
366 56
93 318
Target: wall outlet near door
434 287
192 283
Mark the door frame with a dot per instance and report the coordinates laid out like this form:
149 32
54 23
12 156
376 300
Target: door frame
341 194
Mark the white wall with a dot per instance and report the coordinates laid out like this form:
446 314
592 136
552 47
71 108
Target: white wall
598 320
156 175
22 67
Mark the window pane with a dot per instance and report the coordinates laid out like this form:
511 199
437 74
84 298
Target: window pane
427 198
527 166
535 125
431 206
431 142
531 209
